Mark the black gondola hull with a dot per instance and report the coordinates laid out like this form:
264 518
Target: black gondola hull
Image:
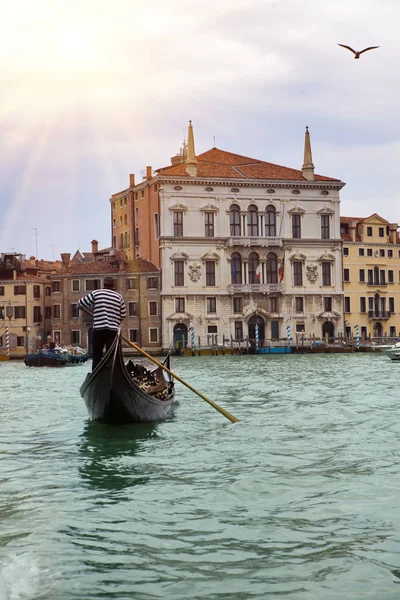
111 395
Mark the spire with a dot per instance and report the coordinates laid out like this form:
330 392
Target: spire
191 160
308 167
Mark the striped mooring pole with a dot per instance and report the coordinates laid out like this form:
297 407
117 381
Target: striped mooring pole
7 342
191 328
288 334
357 337
256 337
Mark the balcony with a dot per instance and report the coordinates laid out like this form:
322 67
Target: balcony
377 283
254 241
12 262
251 288
377 315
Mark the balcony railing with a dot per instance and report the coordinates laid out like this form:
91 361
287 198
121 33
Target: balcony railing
254 241
379 314
243 288
377 283
15 262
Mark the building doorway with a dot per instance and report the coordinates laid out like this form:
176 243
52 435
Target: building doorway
378 330
328 329
180 336
253 321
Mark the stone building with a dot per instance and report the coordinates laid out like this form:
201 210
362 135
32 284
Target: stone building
138 281
240 242
24 303
371 275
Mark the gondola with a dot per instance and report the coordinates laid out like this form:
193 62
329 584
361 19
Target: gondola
112 396
45 358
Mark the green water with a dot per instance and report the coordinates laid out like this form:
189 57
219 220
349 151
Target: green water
299 500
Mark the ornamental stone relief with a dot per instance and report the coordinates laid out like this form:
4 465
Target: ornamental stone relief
312 273
194 272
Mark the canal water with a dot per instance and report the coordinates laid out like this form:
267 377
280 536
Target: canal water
299 500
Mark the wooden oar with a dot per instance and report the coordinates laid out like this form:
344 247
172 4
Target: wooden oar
190 387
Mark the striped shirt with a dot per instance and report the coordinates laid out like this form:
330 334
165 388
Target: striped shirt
108 308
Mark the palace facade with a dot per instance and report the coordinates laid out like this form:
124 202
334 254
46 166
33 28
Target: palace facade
240 243
371 276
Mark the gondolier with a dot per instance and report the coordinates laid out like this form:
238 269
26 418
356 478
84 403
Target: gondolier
108 307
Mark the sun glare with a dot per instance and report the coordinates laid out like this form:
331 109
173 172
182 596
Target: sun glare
74 50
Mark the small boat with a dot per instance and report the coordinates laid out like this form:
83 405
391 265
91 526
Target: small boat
4 357
119 393
390 349
395 355
46 358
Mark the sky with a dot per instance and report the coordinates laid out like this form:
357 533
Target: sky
93 90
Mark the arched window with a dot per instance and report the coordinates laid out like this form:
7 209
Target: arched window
252 221
376 275
270 221
253 268
235 220
272 268
236 268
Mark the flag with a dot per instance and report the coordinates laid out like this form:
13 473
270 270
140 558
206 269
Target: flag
258 273
281 270
233 270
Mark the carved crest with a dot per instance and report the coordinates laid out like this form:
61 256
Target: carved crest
194 272
312 273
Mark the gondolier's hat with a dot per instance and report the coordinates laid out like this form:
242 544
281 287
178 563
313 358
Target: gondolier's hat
109 282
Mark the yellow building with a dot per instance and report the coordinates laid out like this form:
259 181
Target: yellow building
23 295
371 276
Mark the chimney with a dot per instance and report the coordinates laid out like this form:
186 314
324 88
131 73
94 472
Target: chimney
308 167
131 180
393 232
149 173
352 230
121 258
95 246
65 261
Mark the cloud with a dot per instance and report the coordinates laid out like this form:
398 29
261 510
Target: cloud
93 91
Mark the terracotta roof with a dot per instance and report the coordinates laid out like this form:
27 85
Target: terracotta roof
221 164
141 265
350 219
138 265
94 267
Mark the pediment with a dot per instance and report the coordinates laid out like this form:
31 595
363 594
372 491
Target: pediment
296 210
325 211
329 316
209 208
298 257
179 256
375 219
185 316
178 208
326 257
210 256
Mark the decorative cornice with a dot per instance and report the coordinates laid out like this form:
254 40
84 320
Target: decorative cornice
179 256
297 210
178 207
298 257
325 211
210 256
267 184
326 257
209 208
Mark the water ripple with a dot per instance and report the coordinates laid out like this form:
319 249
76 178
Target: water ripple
298 500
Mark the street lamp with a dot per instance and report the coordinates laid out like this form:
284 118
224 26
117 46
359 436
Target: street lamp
9 311
28 341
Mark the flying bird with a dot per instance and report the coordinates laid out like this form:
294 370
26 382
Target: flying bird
356 52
